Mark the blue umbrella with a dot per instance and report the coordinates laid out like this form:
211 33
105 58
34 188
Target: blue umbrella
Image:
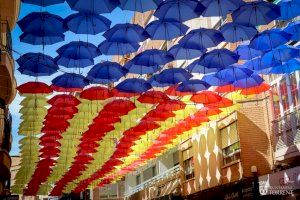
127 32
213 80
87 23
141 69
37 64
70 81
220 8
288 67
258 65
280 54
134 85
289 9
139 5
173 76
193 86
195 67
202 38
294 29
218 58
179 10
93 6
153 80
181 52
77 54
41 38
117 48
251 81
232 74
163 30
269 39
43 3
234 32
106 72
152 57
256 13
247 53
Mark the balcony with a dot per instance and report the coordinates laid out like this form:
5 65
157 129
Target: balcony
287 136
166 175
7 79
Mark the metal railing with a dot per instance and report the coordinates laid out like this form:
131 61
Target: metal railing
165 175
287 130
5 38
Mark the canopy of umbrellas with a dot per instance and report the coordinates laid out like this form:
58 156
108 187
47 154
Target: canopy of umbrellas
68 147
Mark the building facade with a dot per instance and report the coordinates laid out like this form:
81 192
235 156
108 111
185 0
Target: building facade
9 12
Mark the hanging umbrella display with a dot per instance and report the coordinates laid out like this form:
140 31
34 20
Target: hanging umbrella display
219 8
251 81
87 23
179 10
70 82
42 28
289 9
234 73
195 67
193 86
256 13
36 64
63 100
106 72
259 66
93 6
202 38
134 85
164 30
96 93
247 53
256 89
152 57
172 91
153 97
43 3
234 32
287 67
139 5
213 80
140 69
293 29
282 53
77 54
218 58
117 48
173 76
34 88
206 97
181 52
269 39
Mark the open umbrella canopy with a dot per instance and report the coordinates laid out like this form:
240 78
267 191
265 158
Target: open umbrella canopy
196 67
140 69
152 57
256 89
193 86
164 30
181 52
117 48
282 53
134 85
258 65
251 81
234 73
87 23
93 6
247 53
153 97
202 38
206 97
96 93
293 28
289 9
234 32
43 3
256 13
70 81
220 8
287 67
173 76
139 5
213 80
218 58
106 72
269 39
34 88
37 64
131 33
179 10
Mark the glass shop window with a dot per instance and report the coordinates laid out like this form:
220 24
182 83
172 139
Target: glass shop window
188 163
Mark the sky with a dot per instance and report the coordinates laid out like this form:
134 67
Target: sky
19 48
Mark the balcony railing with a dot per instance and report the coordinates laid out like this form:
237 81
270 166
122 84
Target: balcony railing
5 38
287 130
166 174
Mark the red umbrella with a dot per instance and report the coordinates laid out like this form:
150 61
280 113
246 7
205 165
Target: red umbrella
61 89
117 93
221 104
96 93
146 126
34 88
206 97
62 110
106 120
103 128
157 115
56 123
226 89
256 90
47 137
172 91
208 111
171 105
195 121
120 106
153 97
50 143
63 100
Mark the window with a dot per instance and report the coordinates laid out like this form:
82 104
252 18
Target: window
138 179
149 173
175 158
188 163
294 89
275 101
284 95
230 143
